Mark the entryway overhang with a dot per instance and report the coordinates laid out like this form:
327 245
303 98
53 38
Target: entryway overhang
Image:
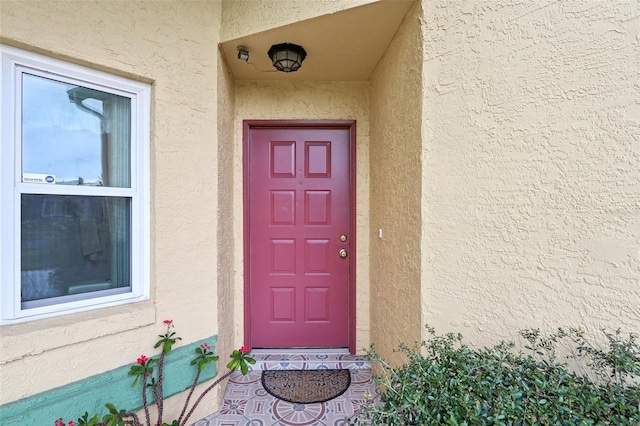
342 46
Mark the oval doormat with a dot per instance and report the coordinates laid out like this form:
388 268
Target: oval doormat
306 386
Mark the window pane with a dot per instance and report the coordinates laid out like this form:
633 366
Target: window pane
74 244
74 135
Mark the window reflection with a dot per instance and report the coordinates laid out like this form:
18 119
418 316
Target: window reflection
78 135
74 244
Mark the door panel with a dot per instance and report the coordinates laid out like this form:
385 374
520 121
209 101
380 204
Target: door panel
298 207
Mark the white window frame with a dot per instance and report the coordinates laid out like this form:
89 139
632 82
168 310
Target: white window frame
13 62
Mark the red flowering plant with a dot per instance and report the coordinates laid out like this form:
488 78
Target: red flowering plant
143 370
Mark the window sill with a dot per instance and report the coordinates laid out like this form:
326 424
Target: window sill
35 337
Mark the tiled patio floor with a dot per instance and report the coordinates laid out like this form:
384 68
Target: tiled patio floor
247 403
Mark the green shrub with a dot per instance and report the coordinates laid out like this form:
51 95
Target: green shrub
445 382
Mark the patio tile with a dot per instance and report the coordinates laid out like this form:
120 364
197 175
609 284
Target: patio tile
259 405
247 403
222 420
339 411
287 413
250 377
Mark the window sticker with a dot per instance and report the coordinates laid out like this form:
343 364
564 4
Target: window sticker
38 178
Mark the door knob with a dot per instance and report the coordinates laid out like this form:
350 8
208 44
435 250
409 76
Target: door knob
342 253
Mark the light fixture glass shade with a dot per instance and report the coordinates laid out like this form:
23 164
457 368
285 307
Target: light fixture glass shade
287 57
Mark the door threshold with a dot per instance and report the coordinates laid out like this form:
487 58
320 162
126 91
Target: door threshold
300 351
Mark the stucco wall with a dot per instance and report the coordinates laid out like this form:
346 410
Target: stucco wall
311 101
245 17
531 190
228 336
172 45
396 171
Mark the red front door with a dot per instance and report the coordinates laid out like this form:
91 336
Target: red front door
299 237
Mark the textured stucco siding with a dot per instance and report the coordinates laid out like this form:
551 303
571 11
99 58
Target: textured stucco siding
172 46
531 185
395 199
229 337
498 148
246 17
312 101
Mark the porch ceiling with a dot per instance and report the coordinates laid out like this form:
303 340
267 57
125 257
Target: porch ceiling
343 46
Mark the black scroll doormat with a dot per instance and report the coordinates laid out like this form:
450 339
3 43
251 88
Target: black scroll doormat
306 386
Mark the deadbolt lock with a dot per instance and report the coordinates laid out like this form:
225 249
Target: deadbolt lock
343 238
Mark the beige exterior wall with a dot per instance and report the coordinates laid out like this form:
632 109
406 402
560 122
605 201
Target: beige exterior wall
245 17
311 101
171 45
229 337
531 184
396 171
497 148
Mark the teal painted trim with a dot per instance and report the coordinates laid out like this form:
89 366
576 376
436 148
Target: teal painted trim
90 394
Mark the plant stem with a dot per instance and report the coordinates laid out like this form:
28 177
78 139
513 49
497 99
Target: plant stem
154 391
204 393
144 399
186 403
136 420
160 396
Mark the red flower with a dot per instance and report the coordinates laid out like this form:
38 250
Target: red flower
245 349
205 346
58 422
71 423
142 359
168 322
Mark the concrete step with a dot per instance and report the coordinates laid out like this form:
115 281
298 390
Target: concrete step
309 361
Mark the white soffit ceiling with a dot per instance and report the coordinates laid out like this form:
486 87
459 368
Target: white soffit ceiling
343 46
